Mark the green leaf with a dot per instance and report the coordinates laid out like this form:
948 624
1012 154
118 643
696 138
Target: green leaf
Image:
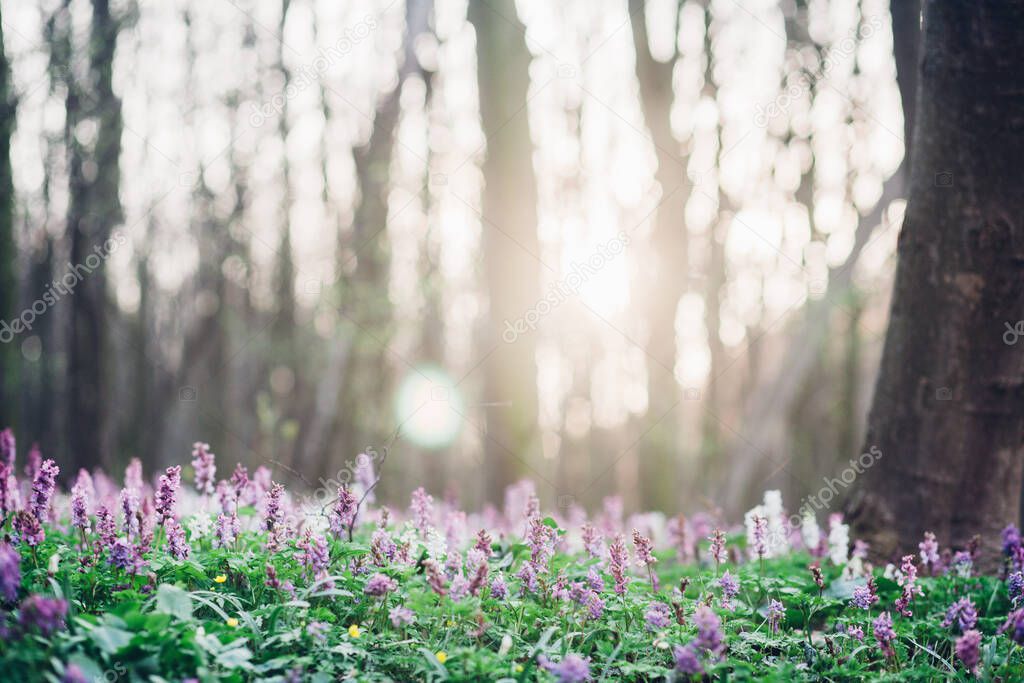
174 601
110 639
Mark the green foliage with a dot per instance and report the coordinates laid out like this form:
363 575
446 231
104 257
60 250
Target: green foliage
213 617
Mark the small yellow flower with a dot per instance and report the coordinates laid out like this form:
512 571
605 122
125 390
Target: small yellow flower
353 630
220 578
519 668
442 656
232 622
451 623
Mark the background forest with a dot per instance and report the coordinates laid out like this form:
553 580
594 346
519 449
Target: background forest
635 248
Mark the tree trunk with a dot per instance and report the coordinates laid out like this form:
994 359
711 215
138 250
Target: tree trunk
667 272
509 239
364 419
948 410
94 210
9 361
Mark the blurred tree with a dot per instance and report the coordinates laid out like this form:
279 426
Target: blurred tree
93 211
667 275
364 418
948 409
9 360
779 395
509 239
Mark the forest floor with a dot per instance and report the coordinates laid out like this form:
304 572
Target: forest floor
243 581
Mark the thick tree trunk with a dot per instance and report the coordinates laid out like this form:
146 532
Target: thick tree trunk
948 409
509 238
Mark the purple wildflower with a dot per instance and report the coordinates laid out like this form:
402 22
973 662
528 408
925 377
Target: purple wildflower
1011 540
968 649
205 466
29 529
8 447
929 548
8 490
343 515
541 539
176 543
122 554
718 552
910 587
760 536
240 481
380 585
483 543
855 632
572 668
435 577
884 633
476 564
643 545
167 494
317 630
133 475
730 589
74 674
130 508
42 613
677 531
658 616
272 581
43 486
776 612
962 564
688 660
709 630
527 578
595 605
228 528
273 516
316 554
499 589
106 526
618 559
401 616
10 572
226 497
594 580
963 613
1014 624
79 508
1015 586
84 479
593 542
33 462
382 547
865 596
422 509
458 588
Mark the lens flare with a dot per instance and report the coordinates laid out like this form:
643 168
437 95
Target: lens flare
429 407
